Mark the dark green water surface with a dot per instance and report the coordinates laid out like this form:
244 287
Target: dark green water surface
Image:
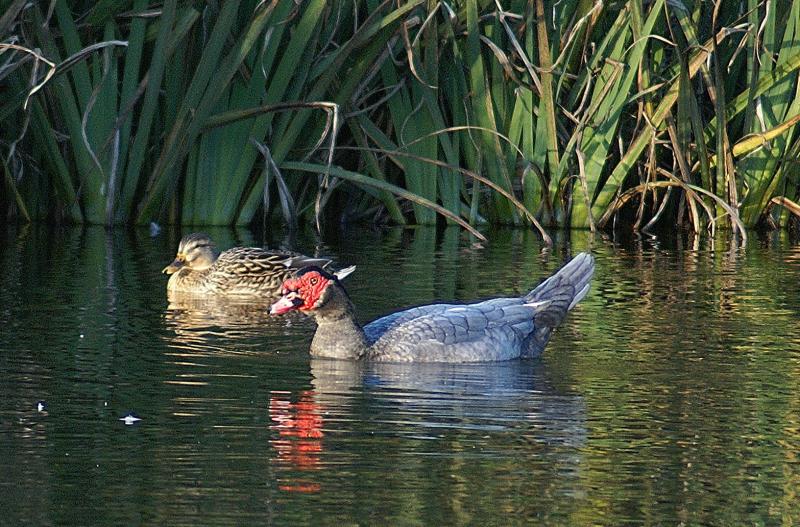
671 396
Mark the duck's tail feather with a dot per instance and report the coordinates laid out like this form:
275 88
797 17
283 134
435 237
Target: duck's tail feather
341 274
558 294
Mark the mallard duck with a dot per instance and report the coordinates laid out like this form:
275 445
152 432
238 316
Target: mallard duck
493 330
200 268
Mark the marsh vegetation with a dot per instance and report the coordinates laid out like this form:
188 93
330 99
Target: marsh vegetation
571 113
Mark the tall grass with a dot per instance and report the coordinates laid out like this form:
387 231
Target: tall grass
570 113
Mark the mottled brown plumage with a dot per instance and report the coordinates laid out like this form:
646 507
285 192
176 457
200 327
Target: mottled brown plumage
200 268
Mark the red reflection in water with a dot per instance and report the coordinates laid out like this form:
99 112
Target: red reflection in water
299 427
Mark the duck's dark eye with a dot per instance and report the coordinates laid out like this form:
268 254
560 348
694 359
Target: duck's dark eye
314 281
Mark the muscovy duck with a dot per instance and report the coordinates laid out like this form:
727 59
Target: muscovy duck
492 330
200 268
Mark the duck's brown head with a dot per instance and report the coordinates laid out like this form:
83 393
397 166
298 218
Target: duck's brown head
196 251
310 289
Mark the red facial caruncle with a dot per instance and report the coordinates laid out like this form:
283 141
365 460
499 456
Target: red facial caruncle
300 293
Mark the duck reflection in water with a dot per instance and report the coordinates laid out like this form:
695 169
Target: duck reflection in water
299 442
426 407
189 310
192 318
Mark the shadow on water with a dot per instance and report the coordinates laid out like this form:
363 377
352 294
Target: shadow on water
423 428
668 396
483 397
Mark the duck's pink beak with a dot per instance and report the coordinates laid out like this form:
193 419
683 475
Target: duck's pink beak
288 302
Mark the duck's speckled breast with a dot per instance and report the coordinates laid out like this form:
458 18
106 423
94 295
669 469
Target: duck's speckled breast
188 281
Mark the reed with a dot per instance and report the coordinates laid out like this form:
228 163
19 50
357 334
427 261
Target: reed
570 114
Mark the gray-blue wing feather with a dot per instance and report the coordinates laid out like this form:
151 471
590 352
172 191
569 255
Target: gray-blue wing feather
497 329
375 329
487 331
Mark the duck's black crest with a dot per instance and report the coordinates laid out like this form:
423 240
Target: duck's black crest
313 268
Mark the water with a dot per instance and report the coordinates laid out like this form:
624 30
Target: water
670 396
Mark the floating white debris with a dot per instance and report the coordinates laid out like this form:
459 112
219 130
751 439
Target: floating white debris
40 406
130 419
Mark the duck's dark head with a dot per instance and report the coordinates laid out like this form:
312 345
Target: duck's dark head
196 251
311 289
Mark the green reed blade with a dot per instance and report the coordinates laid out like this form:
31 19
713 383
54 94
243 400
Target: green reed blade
191 202
189 125
72 42
375 171
43 134
598 138
12 189
141 141
360 179
130 81
370 41
69 111
287 74
610 187
548 105
104 10
161 183
410 122
765 82
483 109
778 114
9 17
